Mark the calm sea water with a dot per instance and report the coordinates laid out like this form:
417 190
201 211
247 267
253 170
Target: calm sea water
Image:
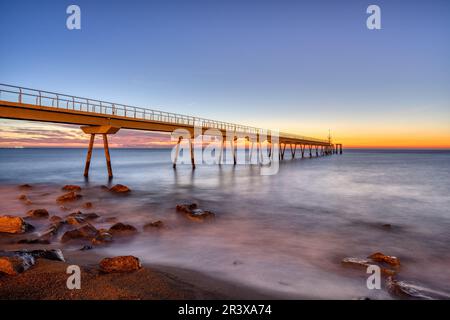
286 232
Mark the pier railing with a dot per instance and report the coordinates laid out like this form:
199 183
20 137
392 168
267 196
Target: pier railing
44 98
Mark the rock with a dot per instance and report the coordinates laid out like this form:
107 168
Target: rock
86 232
33 241
154 225
120 188
121 228
23 197
12 224
38 213
74 221
88 205
407 290
25 186
379 257
102 238
386 226
56 219
70 196
192 212
14 264
54 254
104 188
363 263
71 187
52 230
85 216
120 264
85 248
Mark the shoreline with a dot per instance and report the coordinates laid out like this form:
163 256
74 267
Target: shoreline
46 280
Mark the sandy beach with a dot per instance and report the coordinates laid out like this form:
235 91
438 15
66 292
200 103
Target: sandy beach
47 281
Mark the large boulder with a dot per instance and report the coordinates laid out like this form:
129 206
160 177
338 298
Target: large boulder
71 187
120 264
192 212
85 216
13 224
38 213
67 197
120 188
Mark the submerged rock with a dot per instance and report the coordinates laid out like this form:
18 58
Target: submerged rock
38 213
25 186
192 212
85 232
54 254
154 225
74 221
379 257
56 219
404 289
34 241
102 238
85 248
85 216
13 224
122 229
70 196
71 187
120 188
52 230
363 263
88 205
120 264
25 199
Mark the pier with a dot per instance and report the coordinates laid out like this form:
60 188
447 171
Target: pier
96 117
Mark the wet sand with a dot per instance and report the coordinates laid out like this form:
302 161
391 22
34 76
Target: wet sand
46 280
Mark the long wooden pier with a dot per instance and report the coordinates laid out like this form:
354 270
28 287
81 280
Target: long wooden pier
104 118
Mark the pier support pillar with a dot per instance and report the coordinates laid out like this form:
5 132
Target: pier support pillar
89 155
104 131
107 156
310 150
293 150
191 147
302 149
177 151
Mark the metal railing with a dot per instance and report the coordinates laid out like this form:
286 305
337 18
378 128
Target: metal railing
63 101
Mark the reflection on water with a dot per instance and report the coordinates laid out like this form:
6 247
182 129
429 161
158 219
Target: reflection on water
286 232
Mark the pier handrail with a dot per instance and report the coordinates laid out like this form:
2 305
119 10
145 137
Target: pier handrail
69 102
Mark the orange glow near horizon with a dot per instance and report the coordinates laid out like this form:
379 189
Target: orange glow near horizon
34 134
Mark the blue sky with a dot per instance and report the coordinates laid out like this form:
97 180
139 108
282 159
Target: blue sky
303 66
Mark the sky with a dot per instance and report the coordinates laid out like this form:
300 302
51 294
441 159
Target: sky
304 67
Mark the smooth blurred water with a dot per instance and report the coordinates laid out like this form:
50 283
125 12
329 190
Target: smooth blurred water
286 232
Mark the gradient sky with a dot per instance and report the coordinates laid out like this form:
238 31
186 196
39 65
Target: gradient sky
298 66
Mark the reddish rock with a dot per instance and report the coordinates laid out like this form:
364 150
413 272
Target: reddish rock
25 186
70 196
364 264
120 188
121 228
85 216
13 265
56 219
12 224
88 205
38 213
379 257
86 232
52 230
102 238
74 221
154 225
120 264
71 187
25 199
